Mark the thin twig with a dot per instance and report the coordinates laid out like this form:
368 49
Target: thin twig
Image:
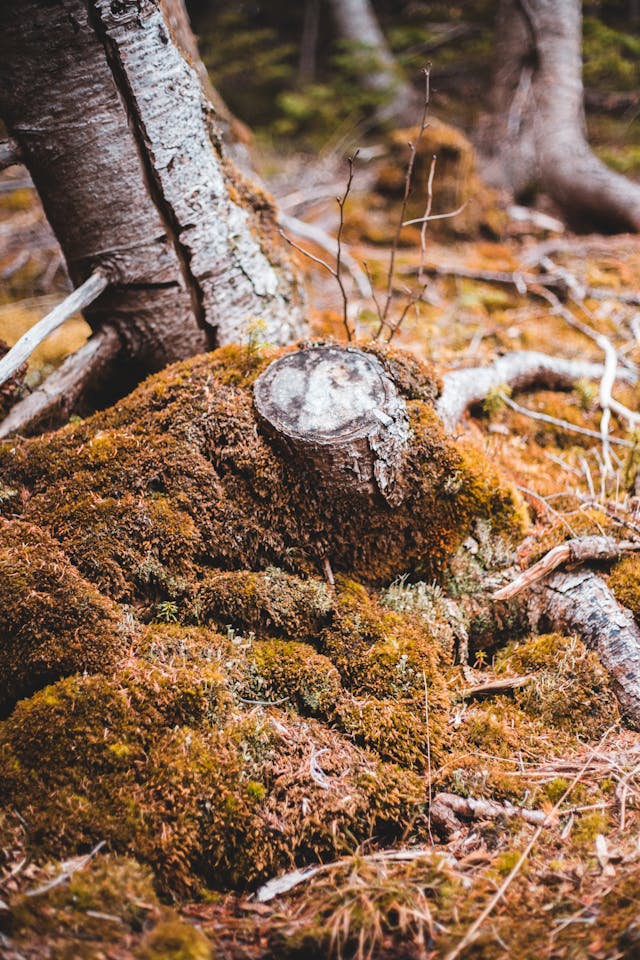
89 291
427 214
341 205
413 148
557 422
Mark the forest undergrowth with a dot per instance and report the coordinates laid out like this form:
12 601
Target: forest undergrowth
192 710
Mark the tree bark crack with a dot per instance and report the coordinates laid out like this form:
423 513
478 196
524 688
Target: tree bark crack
153 182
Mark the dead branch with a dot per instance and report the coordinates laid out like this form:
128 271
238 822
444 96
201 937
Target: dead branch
492 687
447 808
69 867
341 201
520 370
563 424
525 281
580 550
89 291
581 603
9 153
59 394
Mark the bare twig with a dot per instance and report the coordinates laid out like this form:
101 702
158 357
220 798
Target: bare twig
89 291
427 214
341 205
312 232
571 551
68 869
413 149
471 809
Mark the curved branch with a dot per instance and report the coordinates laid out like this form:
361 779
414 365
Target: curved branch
89 291
580 602
520 369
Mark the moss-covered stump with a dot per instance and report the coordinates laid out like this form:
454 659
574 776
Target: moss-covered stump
177 479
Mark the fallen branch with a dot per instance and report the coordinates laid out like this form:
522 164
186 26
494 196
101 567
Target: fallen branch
489 689
572 551
563 424
524 282
89 291
59 394
519 370
581 603
9 153
445 804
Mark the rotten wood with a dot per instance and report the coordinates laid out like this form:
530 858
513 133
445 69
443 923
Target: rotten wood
337 412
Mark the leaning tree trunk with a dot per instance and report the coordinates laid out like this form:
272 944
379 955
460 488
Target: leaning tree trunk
357 24
112 124
535 139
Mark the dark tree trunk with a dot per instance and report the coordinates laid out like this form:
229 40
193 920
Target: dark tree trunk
112 124
536 138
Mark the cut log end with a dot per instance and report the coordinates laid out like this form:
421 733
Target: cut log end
337 411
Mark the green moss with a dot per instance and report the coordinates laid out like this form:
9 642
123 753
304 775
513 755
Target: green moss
570 690
272 603
296 673
53 621
174 939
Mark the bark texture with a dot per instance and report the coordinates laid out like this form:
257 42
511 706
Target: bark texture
336 411
580 602
536 138
112 124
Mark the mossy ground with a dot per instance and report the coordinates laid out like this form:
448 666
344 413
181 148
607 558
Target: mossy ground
214 720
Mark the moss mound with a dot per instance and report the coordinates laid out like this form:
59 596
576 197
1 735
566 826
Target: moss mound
176 479
52 621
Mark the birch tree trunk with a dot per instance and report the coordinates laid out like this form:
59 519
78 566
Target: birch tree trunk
536 137
357 24
112 124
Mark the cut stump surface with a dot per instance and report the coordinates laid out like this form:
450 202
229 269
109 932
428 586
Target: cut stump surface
336 410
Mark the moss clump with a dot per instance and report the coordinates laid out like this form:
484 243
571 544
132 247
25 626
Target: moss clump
272 603
175 479
625 583
53 622
297 673
570 690
394 731
109 895
174 939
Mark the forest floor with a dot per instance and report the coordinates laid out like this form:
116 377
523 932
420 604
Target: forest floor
527 723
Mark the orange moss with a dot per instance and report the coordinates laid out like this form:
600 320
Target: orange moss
53 622
625 583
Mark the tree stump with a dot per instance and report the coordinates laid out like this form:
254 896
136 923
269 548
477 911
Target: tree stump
337 412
